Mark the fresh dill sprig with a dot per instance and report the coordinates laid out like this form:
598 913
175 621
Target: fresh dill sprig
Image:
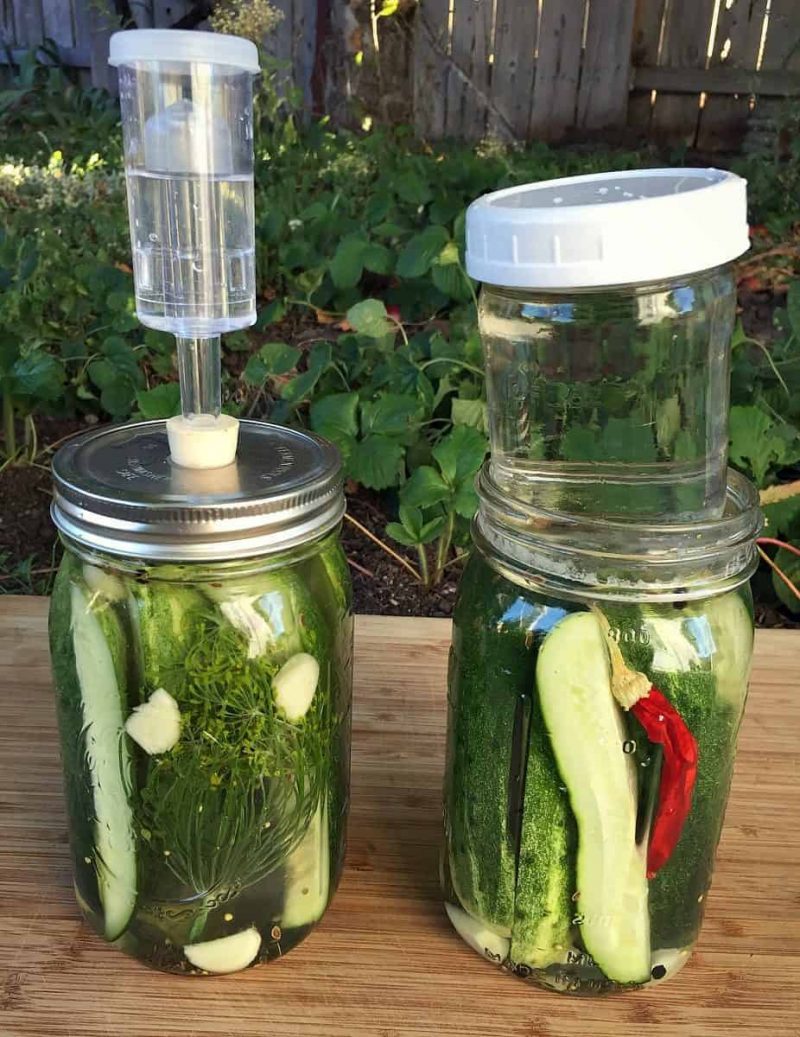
238 791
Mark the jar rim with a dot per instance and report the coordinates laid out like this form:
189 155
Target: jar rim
615 558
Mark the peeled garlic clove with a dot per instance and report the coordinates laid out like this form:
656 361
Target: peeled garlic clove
294 685
156 724
227 954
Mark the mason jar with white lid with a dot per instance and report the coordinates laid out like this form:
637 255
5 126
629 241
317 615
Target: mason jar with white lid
606 314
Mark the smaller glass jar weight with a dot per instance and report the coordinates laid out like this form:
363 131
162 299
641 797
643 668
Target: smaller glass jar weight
603 629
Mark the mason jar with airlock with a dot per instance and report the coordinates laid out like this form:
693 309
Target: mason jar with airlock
606 312
200 625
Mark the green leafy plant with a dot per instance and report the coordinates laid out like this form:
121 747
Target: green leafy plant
367 324
436 497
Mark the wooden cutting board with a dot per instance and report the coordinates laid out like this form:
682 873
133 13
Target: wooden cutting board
384 962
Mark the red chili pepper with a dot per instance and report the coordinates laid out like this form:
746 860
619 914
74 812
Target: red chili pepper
664 725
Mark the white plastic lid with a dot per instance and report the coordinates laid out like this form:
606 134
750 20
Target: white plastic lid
608 228
169 45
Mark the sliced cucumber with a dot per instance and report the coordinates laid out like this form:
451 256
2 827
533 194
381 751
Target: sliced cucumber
732 631
164 617
308 873
543 907
107 759
104 583
587 733
475 933
227 954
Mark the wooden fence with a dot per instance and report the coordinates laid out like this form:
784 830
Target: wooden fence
681 71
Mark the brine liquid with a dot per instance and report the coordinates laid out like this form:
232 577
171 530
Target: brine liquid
237 826
193 252
509 868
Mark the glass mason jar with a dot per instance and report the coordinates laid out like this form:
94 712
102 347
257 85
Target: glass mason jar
598 675
201 641
606 314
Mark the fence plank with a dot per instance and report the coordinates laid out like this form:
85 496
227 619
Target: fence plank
7 27
57 22
29 22
102 21
782 45
516 30
555 88
304 49
720 80
723 120
278 45
781 53
675 119
468 85
606 71
647 26
431 64
167 12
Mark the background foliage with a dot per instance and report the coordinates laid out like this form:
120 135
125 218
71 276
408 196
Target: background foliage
366 329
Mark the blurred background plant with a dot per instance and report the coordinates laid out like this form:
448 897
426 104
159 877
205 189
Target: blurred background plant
366 330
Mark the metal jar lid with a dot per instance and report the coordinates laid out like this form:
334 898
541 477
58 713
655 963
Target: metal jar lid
116 490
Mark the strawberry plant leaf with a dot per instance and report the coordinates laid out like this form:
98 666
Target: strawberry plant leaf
460 454
418 255
451 282
425 488
783 517
347 264
255 371
392 414
431 529
376 462
413 189
278 357
335 416
788 563
466 500
378 259
271 314
162 401
468 412
117 396
411 519
300 387
369 317
754 446
401 535
448 255
38 375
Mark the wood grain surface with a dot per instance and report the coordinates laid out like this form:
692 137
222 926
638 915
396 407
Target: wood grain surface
384 962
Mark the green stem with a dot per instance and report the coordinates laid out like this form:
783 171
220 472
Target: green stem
456 363
444 545
423 565
9 431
